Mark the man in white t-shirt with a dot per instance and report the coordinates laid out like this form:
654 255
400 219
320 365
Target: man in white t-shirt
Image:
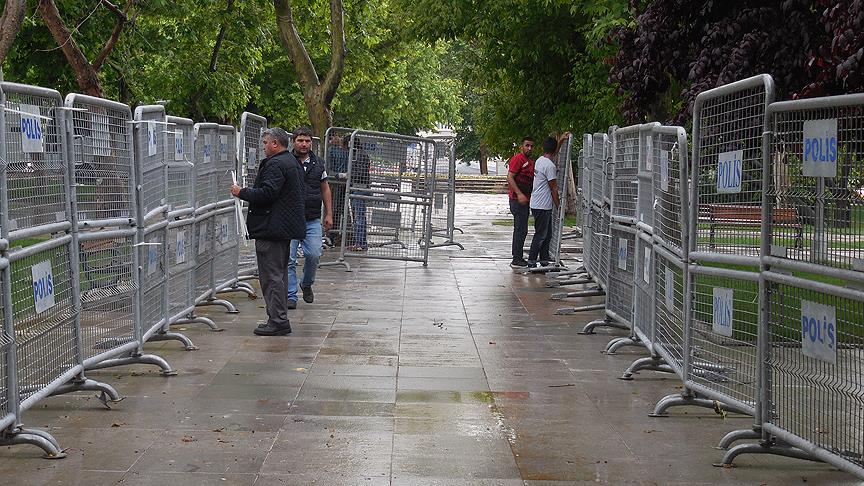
544 197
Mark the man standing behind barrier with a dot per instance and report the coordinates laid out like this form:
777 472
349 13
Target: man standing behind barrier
317 191
337 157
544 198
276 216
520 178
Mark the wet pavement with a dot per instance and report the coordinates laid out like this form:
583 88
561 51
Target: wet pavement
453 374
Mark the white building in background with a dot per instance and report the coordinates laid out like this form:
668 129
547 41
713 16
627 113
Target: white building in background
496 166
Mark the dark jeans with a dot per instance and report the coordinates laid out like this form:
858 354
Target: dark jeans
520 227
542 235
272 260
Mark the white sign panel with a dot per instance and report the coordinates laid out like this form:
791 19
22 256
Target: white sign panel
723 311
178 145
622 253
664 170
819 331
223 147
730 167
208 148
43 286
223 230
820 148
152 259
646 270
649 154
151 138
201 239
670 289
180 252
252 158
31 130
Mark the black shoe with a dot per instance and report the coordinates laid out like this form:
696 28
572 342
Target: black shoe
520 263
292 304
269 330
533 265
544 263
308 296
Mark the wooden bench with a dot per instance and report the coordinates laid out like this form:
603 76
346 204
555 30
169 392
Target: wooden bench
749 216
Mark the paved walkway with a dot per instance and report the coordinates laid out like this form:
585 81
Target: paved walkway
455 374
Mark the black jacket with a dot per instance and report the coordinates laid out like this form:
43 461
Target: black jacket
314 169
276 200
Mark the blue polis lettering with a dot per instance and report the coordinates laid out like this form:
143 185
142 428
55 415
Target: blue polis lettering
820 149
31 128
729 173
818 331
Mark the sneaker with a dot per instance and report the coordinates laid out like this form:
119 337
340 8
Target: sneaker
545 263
308 296
520 263
269 330
533 265
292 304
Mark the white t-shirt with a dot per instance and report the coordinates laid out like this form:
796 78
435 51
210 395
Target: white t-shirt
544 171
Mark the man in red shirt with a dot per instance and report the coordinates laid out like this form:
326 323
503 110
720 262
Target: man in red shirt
520 178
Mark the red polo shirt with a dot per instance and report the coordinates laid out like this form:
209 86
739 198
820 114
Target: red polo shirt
522 168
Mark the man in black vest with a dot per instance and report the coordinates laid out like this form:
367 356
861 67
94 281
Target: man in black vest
317 192
276 216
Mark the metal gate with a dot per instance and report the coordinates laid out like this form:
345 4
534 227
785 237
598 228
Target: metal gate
388 196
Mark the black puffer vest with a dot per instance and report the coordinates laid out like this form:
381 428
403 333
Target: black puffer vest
314 168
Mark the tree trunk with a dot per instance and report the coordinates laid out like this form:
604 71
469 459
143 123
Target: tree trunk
317 94
484 159
10 24
85 75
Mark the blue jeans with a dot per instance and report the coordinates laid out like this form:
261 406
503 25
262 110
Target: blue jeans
358 207
311 254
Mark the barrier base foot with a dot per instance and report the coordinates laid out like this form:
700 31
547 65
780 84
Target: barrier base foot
675 400
38 438
229 307
340 261
566 311
192 318
589 328
447 243
581 293
461 232
737 435
249 291
107 393
764 448
150 359
561 283
652 363
614 345
174 336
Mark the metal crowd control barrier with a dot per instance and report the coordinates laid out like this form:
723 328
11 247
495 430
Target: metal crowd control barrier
250 152
40 343
812 280
151 172
671 190
443 217
626 147
720 362
336 161
179 153
105 192
208 151
388 194
226 259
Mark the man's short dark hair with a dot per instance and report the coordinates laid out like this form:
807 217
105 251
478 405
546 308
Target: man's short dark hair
300 131
527 139
278 134
550 145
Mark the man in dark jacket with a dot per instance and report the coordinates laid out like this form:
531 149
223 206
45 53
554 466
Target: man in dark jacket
276 216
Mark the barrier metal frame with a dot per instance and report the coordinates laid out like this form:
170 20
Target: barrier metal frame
338 191
250 152
111 145
416 201
446 191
